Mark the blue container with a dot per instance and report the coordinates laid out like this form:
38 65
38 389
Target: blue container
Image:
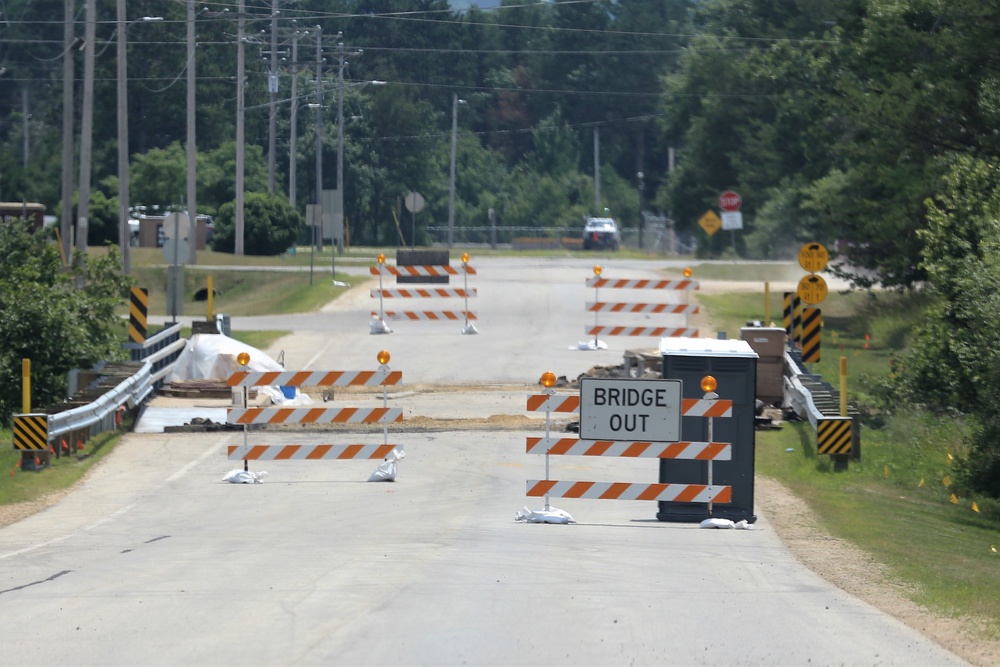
289 392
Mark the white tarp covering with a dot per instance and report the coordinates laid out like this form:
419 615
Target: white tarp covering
209 356
213 356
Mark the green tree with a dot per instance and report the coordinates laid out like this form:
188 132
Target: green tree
953 363
45 318
917 89
271 225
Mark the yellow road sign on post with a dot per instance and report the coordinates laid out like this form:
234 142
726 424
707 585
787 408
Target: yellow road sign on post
812 289
813 257
710 222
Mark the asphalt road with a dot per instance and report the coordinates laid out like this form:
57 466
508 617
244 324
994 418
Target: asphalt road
155 560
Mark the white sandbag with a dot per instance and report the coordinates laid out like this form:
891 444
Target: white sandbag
386 471
550 515
377 326
244 477
726 523
590 345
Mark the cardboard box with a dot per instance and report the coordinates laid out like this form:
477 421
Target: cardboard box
767 342
770 379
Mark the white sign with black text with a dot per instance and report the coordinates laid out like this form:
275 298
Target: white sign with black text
627 409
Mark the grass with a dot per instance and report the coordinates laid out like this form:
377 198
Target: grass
896 503
61 473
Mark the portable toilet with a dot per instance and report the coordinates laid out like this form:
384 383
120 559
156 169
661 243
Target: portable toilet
733 364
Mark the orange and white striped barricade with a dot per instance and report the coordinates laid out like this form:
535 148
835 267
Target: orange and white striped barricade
378 318
681 310
710 407
550 402
241 413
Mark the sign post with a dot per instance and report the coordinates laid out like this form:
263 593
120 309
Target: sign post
414 204
730 203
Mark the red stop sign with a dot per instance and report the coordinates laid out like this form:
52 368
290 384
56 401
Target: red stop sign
729 201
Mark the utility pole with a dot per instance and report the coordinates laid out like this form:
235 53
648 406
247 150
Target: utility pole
240 111
294 120
272 89
319 135
334 242
192 149
597 170
86 129
124 232
454 147
65 227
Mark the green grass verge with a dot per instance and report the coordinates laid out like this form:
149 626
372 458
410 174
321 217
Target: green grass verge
23 486
896 502
242 293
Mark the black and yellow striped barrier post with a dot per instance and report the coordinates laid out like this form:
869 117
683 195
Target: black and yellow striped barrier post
812 326
138 315
833 436
792 317
31 438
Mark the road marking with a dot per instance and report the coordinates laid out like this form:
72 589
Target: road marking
214 449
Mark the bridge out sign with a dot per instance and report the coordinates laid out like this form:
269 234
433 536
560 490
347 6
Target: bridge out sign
627 409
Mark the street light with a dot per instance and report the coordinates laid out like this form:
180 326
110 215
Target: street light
124 233
451 186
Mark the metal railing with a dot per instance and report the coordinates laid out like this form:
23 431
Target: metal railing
814 400
100 415
157 354
161 350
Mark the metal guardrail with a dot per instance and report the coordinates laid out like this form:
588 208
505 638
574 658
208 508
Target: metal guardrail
158 354
99 416
817 401
161 349
798 395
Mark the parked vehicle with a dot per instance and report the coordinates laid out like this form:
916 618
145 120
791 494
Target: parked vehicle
601 234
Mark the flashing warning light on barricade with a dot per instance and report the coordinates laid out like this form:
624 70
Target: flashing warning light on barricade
243 358
383 357
708 384
381 258
465 258
598 269
548 379
688 272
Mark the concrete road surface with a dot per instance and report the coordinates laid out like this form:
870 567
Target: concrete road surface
154 560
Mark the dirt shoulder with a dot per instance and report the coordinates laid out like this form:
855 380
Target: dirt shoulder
857 572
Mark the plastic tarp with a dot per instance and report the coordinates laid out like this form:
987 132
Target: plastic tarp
213 356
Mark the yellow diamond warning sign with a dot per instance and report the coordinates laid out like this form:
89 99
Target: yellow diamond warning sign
710 222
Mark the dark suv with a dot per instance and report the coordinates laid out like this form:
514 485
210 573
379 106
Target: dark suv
601 233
